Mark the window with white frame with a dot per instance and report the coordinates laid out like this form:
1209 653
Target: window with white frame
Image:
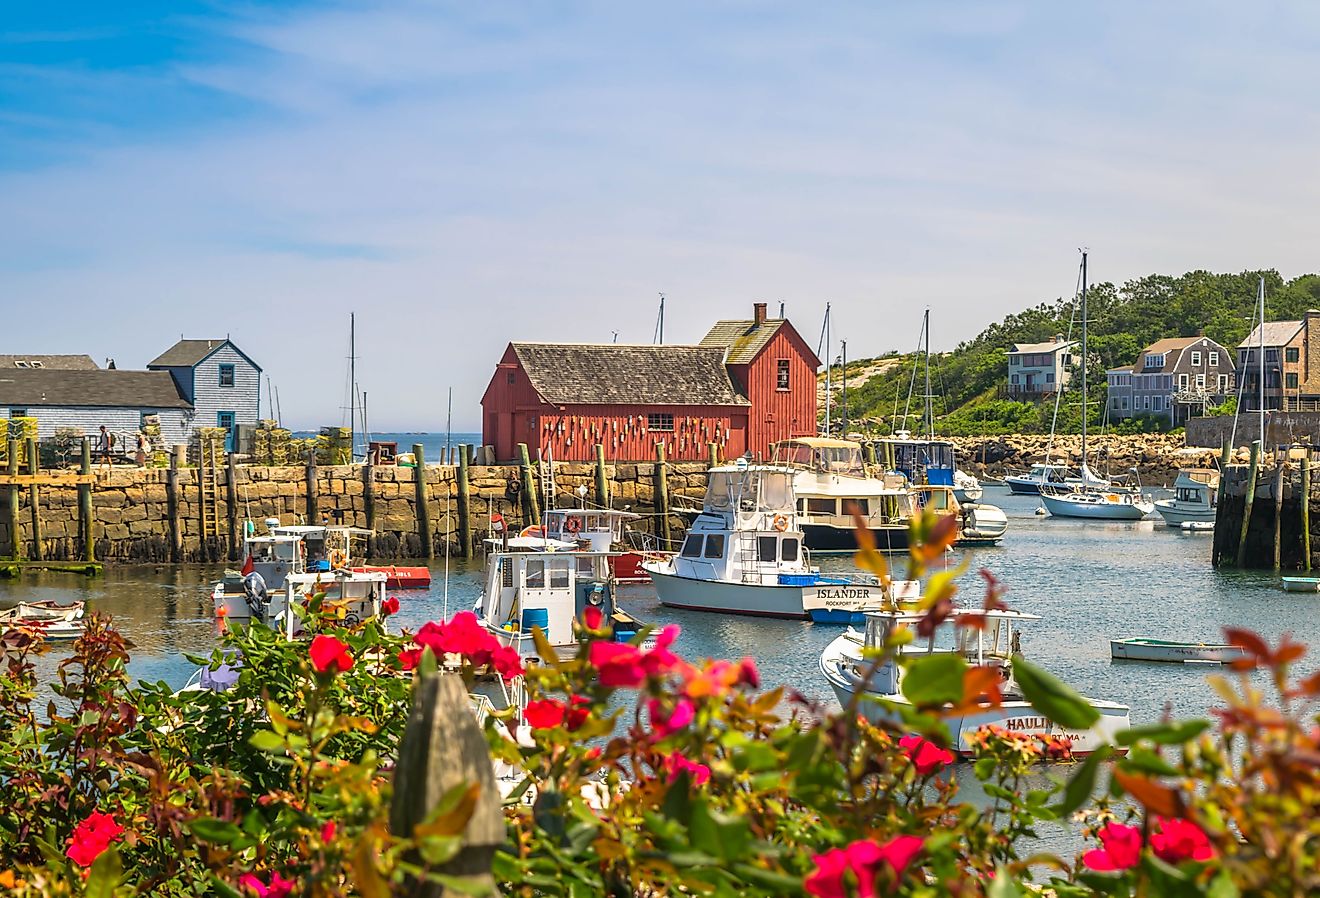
1155 360
1214 360
1223 383
1196 358
1146 403
1200 381
1182 381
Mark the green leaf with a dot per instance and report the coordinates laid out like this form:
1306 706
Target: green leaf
209 829
1222 886
436 850
1143 759
934 680
1079 788
1164 733
267 741
106 872
1003 885
718 834
773 883
427 665
1052 697
220 887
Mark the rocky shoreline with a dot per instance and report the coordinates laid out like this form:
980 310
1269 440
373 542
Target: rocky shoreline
1156 456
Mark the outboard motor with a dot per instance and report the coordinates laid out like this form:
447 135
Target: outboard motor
254 590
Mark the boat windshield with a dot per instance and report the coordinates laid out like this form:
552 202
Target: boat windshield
767 491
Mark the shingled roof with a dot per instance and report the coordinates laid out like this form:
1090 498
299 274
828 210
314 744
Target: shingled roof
99 388
614 374
743 339
59 362
1277 333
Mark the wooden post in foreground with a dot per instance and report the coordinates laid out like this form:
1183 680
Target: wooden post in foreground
423 513
85 504
1306 510
444 748
231 500
662 494
369 502
602 482
1250 499
34 500
1225 456
15 538
464 504
309 476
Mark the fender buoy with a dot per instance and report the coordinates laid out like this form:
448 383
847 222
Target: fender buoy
781 523
337 559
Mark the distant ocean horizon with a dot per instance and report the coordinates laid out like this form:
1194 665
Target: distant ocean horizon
433 444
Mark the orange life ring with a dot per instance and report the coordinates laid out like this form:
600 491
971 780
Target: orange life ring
781 523
572 525
337 559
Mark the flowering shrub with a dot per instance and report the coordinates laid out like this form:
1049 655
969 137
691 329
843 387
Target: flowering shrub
645 774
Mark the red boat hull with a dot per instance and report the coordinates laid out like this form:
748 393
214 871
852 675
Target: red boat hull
400 577
628 568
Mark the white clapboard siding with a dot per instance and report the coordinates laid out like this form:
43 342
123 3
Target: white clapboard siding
209 398
175 423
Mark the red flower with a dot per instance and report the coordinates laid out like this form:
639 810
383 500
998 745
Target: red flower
1180 840
925 755
330 655
462 635
328 831
430 636
578 711
1121 851
545 714
620 665
676 764
279 886
91 837
592 617
390 606
864 858
408 658
507 662
663 724
748 675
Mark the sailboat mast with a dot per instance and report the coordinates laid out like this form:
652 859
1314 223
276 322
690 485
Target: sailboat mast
844 343
1084 359
930 408
825 337
352 385
1261 350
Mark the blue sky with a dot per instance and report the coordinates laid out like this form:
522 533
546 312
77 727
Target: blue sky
464 174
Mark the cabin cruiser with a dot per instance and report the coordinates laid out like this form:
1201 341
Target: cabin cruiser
846 665
744 554
1195 498
1041 474
599 530
930 461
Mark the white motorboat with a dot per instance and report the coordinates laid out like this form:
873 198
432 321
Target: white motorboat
1143 648
1040 475
846 669
744 555
966 488
53 620
1195 499
552 591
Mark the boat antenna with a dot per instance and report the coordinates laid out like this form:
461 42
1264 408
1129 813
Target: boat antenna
449 427
270 396
824 344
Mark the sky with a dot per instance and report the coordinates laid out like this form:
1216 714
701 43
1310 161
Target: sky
460 175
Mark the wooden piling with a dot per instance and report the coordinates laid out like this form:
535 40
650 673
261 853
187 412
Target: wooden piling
713 454
85 505
369 504
1306 510
423 513
231 500
662 494
309 482
602 482
869 449
464 504
34 501
172 509
15 534
531 507
1250 499
1225 456
1278 509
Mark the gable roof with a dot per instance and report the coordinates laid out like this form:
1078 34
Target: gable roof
190 353
742 338
1277 333
1042 347
1170 348
610 373
99 388
59 362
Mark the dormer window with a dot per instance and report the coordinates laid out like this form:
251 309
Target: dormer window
1155 360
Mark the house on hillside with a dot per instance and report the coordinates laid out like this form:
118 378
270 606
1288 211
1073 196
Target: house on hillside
219 381
1174 378
748 383
1036 370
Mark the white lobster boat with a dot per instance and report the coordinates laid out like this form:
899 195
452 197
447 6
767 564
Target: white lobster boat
1195 498
744 555
845 668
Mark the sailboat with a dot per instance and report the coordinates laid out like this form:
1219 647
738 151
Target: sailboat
1094 498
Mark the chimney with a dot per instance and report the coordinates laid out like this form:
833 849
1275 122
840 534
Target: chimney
758 313
1058 338
1200 332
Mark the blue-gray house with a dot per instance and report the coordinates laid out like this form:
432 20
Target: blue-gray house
218 379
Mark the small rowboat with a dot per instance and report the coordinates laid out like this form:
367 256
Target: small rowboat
53 620
1301 584
1142 648
1197 526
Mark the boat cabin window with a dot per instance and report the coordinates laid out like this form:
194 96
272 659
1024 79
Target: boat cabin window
796 454
840 460
559 574
584 566
822 506
692 546
535 573
715 545
1186 494
719 491
788 549
765 549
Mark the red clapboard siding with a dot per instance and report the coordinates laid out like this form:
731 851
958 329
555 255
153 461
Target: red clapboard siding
779 414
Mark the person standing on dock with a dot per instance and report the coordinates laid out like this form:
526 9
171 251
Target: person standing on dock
141 456
103 444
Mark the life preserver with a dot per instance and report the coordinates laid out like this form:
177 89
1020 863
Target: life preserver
572 525
337 559
533 530
512 486
781 523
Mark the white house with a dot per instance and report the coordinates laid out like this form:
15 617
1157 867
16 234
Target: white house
219 381
1039 369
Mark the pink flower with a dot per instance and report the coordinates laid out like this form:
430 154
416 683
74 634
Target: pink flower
675 764
330 655
507 662
620 665
328 831
925 755
279 886
662 723
748 675
864 858
592 617
461 635
93 836
579 710
1180 840
545 714
408 658
390 606
1121 851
